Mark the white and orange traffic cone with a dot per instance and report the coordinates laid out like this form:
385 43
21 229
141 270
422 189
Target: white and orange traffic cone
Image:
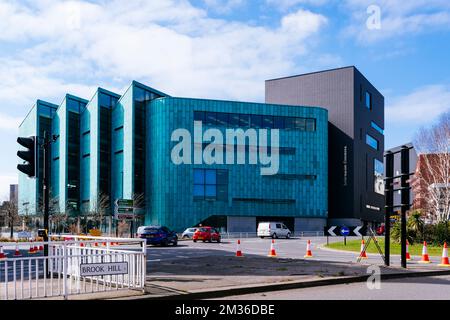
444 260
2 254
41 247
408 256
425 257
272 252
81 244
362 253
308 250
238 249
17 251
31 250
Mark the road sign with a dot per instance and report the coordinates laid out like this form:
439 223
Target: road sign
344 231
126 203
124 209
103 269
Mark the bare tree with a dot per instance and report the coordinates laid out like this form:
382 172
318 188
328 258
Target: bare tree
100 208
11 215
433 169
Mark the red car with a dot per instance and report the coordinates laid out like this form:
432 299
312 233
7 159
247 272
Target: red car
206 234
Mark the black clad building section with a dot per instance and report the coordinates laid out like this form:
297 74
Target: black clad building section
356 140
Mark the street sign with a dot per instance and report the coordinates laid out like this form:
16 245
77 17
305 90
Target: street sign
344 231
103 269
124 209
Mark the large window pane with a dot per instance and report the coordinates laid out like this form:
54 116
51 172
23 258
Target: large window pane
210 191
371 141
210 176
222 119
199 191
368 100
244 120
234 120
378 176
300 124
377 127
222 192
222 177
310 125
267 122
278 123
199 176
210 119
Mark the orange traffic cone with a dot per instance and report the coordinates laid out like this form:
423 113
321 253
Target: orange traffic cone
408 256
425 257
41 248
272 252
31 250
444 261
308 250
35 248
2 254
238 249
104 244
363 254
96 244
17 252
81 244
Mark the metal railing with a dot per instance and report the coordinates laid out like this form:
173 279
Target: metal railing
34 276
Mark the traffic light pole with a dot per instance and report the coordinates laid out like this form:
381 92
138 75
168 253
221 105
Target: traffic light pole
405 195
46 193
389 196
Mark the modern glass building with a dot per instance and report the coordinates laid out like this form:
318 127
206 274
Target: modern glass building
121 147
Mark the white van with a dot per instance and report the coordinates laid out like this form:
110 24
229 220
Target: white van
273 230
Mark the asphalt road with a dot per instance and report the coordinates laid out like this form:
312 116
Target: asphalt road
285 248
426 288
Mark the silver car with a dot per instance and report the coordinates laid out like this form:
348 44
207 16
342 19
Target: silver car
188 233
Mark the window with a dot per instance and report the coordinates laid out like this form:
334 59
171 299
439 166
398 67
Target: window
368 100
210 184
377 127
371 141
238 120
378 172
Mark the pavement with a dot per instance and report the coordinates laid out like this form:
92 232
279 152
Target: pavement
423 288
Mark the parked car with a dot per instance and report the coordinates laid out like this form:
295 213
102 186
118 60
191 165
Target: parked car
206 234
188 233
158 235
273 230
380 230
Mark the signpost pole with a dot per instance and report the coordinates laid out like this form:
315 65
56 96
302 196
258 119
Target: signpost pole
389 207
405 199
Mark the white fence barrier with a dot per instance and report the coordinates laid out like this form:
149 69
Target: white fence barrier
76 265
243 235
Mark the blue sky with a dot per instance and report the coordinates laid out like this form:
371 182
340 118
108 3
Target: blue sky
220 49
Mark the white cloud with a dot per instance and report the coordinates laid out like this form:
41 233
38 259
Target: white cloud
421 106
8 122
223 6
287 4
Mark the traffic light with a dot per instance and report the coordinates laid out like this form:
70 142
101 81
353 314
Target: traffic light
29 155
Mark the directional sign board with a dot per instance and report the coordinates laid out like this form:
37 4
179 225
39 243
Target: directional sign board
344 231
102 269
124 209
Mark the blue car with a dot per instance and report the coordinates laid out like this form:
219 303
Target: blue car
157 235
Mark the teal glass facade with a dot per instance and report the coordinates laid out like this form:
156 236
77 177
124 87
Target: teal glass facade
120 147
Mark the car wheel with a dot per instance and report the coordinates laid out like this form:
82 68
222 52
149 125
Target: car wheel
218 240
175 243
204 240
195 240
210 240
185 237
262 237
288 236
274 236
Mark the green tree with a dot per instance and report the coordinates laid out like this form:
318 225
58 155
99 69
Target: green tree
414 225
